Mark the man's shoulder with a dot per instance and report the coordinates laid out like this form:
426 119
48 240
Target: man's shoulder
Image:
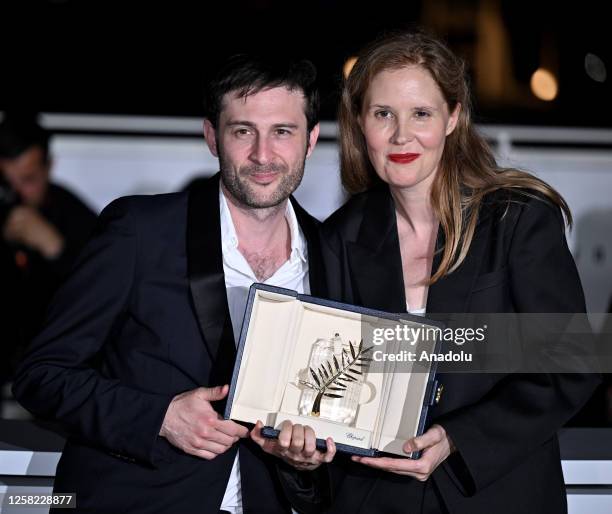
149 203
148 210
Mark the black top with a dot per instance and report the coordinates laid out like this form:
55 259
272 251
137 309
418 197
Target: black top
504 426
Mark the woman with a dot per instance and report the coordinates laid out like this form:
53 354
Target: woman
436 226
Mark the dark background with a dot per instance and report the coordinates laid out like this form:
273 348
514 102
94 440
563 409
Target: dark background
91 56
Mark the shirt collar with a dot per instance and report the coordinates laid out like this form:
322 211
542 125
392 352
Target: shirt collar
229 237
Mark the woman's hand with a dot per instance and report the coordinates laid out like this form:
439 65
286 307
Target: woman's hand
296 445
436 448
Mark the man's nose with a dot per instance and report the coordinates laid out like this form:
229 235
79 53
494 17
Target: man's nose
261 151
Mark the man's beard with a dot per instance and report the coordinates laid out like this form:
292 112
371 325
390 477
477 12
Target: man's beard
247 195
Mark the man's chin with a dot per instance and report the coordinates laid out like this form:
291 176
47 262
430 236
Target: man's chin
264 195
264 203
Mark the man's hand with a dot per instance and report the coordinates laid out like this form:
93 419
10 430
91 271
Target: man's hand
192 425
436 448
25 225
296 445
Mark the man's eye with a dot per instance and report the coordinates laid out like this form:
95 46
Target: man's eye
242 132
283 132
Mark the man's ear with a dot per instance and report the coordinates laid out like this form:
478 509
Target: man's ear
210 134
312 139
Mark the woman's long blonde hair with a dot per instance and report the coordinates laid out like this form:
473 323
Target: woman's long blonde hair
467 171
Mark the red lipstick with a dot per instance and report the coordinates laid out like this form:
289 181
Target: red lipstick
403 158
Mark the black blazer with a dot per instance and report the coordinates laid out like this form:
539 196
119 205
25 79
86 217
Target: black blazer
504 427
144 317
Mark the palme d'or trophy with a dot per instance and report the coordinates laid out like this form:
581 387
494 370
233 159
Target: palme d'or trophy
331 385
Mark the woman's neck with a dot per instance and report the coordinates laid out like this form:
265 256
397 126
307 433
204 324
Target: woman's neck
414 209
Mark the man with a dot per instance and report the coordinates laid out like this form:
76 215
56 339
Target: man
42 226
140 343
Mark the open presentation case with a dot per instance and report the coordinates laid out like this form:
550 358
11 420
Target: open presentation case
321 363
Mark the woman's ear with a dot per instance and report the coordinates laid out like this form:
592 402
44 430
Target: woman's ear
453 119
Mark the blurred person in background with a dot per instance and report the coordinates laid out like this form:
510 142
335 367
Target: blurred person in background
42 227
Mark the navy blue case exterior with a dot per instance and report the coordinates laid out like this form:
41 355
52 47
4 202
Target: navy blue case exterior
271 432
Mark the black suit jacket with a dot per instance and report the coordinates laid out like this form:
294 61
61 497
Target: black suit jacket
144 317
504 427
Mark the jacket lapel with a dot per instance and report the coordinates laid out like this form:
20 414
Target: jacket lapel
374 259
451 294
375 270
316 270
375 264
206 278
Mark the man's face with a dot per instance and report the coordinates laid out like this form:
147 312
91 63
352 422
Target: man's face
262 143
28 175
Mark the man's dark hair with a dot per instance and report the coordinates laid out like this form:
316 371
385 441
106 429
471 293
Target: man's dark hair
248 75
20 133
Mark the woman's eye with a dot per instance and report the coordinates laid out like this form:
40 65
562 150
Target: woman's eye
422 114
383 114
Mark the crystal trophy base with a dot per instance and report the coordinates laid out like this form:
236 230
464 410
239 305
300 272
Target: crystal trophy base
331 384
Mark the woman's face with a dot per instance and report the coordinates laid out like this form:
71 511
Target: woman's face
405 121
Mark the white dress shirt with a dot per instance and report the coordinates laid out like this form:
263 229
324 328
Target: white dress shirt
239 276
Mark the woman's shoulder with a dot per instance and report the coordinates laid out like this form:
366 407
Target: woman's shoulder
511 205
